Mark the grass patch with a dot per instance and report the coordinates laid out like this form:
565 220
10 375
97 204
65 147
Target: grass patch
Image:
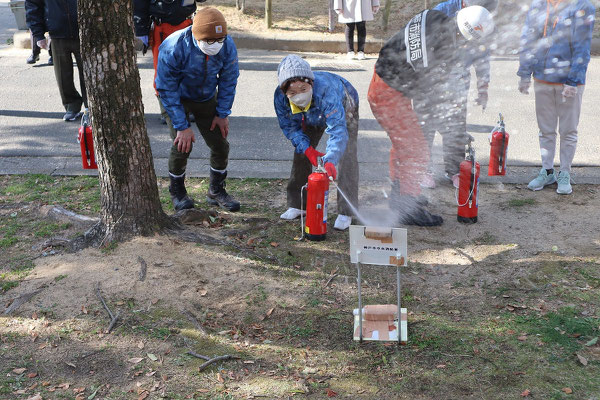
18 269
521 202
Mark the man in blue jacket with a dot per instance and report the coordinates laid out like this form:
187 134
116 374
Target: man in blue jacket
307 105
197 73
59 18
555 49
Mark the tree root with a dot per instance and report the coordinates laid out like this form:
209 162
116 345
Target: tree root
210 361
113 318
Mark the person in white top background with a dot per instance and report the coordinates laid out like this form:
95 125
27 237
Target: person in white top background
355 14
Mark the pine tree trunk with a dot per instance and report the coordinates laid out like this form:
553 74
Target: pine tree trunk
129 193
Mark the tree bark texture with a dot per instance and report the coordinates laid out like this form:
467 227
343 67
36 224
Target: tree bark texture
129 194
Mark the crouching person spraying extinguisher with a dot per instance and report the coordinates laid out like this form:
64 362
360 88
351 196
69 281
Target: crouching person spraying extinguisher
197 73
309 104
417 89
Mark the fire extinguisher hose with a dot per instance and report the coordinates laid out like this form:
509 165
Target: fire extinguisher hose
305 187
468 198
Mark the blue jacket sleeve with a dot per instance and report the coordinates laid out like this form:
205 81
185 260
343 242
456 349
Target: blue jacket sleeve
141 17
335 119
35 17
291 129
227 81
168 78
581 42
530 37
450 7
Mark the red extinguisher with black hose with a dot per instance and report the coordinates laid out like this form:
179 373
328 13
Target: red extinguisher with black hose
468 187
86 142
499 146
317 194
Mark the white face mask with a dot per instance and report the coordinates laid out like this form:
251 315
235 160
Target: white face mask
302 99
210 49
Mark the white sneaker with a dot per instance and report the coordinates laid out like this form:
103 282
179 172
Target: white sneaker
342 222
350 55
361 55
292 213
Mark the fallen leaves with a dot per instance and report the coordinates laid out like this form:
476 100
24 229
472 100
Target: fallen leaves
140 345
19 371
582 360
152 356
32 375
330 393
135 360
38 396
567 390
592 342
525 393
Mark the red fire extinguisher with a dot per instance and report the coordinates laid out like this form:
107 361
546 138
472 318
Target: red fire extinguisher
86 142
467 188
499 146
317 194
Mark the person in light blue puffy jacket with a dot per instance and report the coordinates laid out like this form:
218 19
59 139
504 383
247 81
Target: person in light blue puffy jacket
307 105
555 50
197 73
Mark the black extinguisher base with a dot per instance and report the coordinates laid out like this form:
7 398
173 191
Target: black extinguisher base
316 238
466 220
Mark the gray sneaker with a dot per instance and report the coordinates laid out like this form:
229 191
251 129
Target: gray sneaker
543 179
564 183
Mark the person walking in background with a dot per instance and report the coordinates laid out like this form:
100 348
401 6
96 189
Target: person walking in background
422 64
307 105
555 49
197 73
35 52
59 19
355 14
155 20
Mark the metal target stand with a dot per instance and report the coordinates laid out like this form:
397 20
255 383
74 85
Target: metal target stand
385 247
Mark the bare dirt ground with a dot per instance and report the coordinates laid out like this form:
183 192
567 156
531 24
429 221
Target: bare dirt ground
505 307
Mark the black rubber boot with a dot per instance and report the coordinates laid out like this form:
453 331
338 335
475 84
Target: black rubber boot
411 211
179 195
217 195
419 216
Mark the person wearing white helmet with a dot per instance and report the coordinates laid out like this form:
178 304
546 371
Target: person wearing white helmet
422 65
476 54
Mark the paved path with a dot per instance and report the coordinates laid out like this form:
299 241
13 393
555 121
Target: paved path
33 137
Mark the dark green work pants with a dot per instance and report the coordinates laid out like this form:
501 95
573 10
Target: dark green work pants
63 51
219 147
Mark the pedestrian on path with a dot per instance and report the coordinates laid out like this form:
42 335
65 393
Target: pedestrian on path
59 19
555 49
355 14
155 20
36 50
197 73
309 104
422 64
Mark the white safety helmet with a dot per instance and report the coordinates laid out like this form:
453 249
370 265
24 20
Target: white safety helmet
475 22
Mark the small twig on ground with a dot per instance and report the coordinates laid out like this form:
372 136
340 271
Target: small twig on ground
215 359
143 268
22 299
193 353
113 318
331 278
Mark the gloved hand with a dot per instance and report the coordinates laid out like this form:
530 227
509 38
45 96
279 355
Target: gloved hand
43 44
524 85
569 91
330 168
338 11
482 95
144 39
312 155
375 9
